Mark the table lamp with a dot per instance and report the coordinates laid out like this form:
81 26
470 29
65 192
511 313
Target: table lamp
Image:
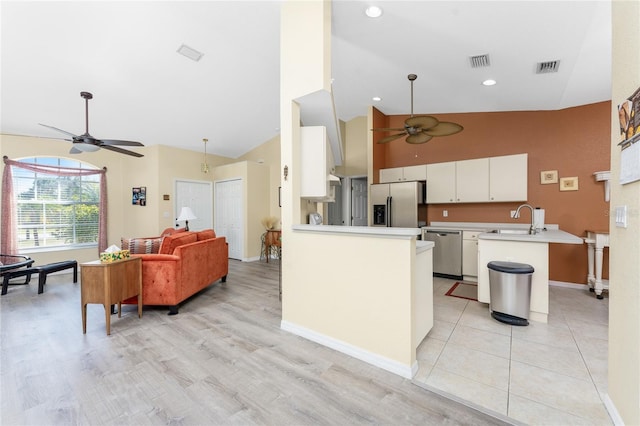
186 214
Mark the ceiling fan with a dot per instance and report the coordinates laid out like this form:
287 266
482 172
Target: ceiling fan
421 128
87 143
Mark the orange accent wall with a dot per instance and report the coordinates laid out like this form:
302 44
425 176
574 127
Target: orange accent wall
573 141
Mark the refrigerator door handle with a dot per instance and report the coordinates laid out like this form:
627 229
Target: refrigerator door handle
390 210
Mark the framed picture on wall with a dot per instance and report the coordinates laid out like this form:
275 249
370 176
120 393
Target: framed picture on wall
569 184
135 196
548 176
143 196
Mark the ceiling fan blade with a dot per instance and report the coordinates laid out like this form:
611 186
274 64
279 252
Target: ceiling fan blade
58 130
122 150
392 137
117 142
444 129
421 121
390 129
39 137
419 138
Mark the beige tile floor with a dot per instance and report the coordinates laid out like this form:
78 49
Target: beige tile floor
542 374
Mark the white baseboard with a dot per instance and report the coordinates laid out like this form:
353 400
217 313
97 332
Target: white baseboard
575 286
346 348
611 409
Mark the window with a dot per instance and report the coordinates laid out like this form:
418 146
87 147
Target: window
56 211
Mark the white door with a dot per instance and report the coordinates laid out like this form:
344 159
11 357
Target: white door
334 210
199 196
229 209
359 201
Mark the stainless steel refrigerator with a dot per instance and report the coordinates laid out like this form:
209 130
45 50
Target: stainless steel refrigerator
396 204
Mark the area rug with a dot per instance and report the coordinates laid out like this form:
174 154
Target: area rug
464 290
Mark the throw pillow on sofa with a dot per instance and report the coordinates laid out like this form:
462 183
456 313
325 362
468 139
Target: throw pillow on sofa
207 234
141 245
169 243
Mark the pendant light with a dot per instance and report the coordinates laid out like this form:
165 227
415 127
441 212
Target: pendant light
204 167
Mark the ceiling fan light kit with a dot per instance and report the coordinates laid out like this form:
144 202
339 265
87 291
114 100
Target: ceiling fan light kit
87 143
422 128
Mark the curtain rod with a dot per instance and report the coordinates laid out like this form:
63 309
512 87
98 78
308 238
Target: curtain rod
5 159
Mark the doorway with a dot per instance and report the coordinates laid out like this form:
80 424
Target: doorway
335 213
198 195
359 201
229 208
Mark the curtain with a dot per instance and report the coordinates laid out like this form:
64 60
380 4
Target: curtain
8 229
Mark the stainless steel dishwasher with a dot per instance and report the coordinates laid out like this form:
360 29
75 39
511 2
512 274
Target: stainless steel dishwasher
447 253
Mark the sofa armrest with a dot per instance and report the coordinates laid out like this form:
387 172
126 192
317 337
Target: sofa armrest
157 257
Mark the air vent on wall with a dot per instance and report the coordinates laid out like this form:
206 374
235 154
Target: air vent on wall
479 61
547 67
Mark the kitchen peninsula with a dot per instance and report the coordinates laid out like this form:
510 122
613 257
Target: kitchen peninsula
532 249
364 291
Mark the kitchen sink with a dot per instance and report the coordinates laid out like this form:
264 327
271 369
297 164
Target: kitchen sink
511 231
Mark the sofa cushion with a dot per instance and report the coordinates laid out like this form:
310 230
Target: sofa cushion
170 242
171 231
206 234
141 245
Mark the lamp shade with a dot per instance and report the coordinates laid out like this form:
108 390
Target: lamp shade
186 214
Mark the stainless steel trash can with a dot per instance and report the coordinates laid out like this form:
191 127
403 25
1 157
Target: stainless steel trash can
510 291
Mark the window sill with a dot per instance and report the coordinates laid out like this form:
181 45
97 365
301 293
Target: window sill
31 250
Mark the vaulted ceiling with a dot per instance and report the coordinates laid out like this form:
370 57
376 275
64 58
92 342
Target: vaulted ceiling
125 54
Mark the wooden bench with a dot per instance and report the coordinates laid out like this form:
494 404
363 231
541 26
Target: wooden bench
42 272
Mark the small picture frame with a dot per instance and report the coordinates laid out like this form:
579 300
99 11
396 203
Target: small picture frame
143 196
569 183
548 176
135 196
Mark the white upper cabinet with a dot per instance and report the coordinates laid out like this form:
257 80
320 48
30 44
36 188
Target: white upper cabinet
508 178
472 181
403 174
316 164
481 180
441 183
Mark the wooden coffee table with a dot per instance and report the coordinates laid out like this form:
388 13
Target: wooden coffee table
108 284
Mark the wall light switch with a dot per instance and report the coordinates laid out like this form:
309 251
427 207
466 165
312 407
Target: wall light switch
445 213
621 216
513 214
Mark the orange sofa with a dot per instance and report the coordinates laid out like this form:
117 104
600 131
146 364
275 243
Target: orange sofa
186 263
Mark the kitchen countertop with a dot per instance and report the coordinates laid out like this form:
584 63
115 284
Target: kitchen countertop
548 236
481 226
363 230
551 234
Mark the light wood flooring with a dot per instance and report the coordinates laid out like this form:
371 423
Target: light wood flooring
222 360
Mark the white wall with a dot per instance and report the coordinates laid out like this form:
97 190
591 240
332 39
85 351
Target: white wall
624 253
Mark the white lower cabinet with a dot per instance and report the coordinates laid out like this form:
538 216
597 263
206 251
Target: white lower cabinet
470 255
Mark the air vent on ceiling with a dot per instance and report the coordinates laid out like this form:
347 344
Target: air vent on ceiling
190 52
479 61
547 67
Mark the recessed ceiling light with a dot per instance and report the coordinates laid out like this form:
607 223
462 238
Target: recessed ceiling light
373 12
377 98
189 52
489 82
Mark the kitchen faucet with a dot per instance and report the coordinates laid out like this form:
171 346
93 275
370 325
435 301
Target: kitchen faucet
532 228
